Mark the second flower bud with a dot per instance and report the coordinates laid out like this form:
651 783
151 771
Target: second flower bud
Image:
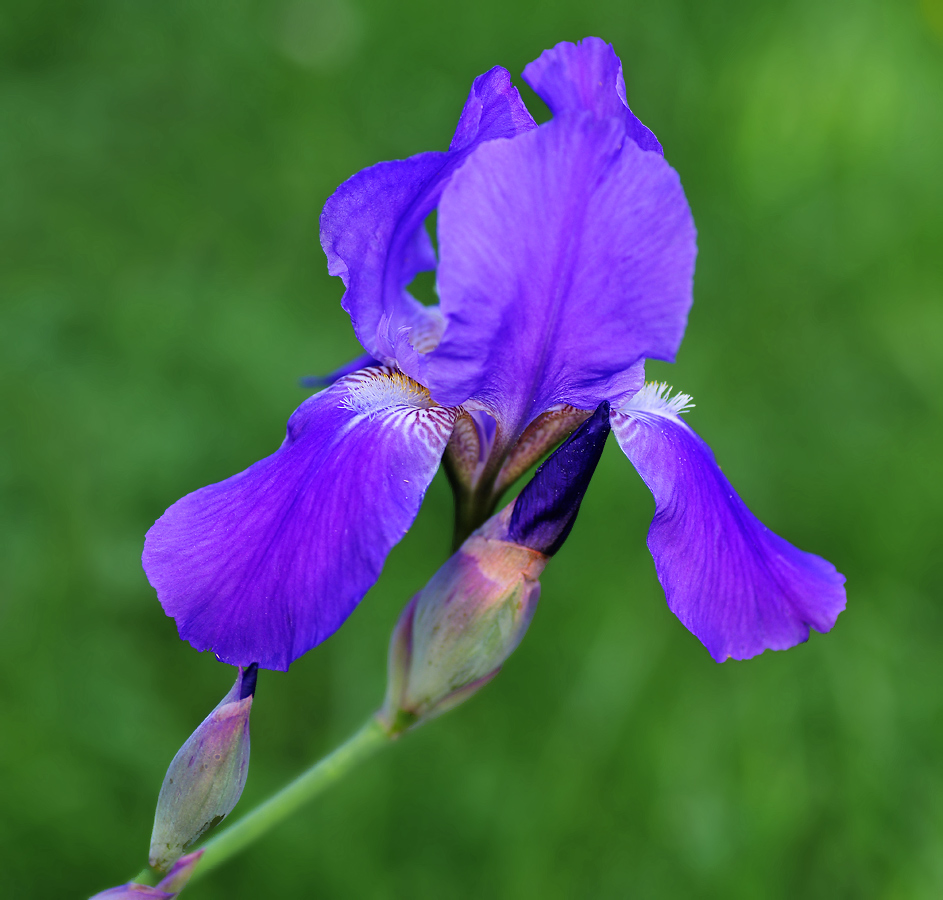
455 634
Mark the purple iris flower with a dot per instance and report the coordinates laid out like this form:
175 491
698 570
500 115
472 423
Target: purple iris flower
565 259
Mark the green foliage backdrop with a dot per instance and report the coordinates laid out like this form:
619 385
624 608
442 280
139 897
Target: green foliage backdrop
163 166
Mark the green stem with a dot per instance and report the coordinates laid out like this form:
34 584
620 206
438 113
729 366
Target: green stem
357 748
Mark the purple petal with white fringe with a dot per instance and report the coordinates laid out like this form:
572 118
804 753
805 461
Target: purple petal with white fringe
737 586
267 564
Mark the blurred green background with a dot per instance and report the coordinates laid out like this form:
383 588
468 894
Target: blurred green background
163 167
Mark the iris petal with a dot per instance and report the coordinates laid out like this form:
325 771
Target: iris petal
267 564
740 588
358 362
567 254
587 75
372 227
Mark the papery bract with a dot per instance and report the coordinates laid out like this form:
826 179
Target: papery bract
134 891
168 887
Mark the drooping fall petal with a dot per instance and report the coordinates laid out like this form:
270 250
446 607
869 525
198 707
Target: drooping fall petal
740 588
267 564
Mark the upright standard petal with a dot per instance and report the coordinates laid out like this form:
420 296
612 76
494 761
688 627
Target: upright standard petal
587 75
267 564
740 588
567 254
372 227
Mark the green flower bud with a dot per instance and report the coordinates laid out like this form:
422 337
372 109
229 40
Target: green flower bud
456 633
206 777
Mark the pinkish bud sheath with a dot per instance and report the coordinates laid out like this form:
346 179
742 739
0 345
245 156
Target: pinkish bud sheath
206 777
168 888
178 876
133 891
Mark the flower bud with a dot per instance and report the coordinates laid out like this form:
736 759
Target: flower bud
544 512
206 777
455 634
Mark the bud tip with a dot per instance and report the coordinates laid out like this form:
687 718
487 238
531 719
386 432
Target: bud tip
546 508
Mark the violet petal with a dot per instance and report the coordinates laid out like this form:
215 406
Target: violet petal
740 588
587 75
577 249
372 227
267 564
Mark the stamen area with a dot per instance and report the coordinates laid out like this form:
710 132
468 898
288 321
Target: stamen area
374 390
